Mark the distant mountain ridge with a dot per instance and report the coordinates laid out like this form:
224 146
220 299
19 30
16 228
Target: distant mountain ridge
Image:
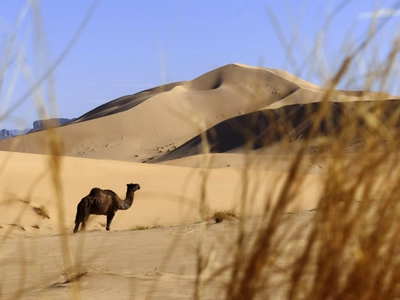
49 123
5 134
37 125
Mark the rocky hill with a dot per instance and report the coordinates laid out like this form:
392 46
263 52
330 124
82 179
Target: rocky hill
5 134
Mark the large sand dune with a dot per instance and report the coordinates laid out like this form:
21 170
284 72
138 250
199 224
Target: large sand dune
151 124
254 121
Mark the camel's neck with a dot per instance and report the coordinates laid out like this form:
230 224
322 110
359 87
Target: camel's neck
127 203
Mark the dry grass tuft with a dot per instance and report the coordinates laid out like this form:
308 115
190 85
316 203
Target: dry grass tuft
352 251
42 211
220 216
140 227
22 227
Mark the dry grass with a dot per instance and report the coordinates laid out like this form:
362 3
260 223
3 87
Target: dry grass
41 90
352 252
42 211
140 227
222 215
19 225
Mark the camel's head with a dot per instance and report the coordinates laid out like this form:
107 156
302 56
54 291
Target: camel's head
133 186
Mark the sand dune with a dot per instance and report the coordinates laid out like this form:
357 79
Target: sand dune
169 194
164 120
254 120
151 124
236 107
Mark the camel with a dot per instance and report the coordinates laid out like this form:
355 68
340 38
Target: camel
103 202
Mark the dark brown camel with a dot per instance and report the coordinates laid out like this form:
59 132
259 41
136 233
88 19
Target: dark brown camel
103 202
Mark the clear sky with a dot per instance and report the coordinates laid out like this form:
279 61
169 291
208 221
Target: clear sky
125 46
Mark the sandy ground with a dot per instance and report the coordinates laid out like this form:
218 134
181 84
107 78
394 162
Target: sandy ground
114 145
130 263
169 195
157 263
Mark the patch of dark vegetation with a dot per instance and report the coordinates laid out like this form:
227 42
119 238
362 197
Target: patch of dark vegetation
220 216
42 211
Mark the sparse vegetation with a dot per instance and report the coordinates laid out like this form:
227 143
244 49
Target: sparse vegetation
27 200
42 211
352 250
140 227
21 226
222 215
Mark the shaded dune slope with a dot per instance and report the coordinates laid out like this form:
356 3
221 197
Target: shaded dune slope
231 105
124 103
289 123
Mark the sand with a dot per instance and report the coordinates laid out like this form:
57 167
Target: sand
154 138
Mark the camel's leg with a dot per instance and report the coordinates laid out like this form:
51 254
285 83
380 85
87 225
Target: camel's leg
77 223
110 217
84 221
80 209
86 214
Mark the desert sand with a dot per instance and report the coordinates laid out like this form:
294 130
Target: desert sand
155 138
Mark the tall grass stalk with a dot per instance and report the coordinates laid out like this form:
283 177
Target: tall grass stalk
352 251
54 144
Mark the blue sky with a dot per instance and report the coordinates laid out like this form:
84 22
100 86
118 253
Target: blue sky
127 46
